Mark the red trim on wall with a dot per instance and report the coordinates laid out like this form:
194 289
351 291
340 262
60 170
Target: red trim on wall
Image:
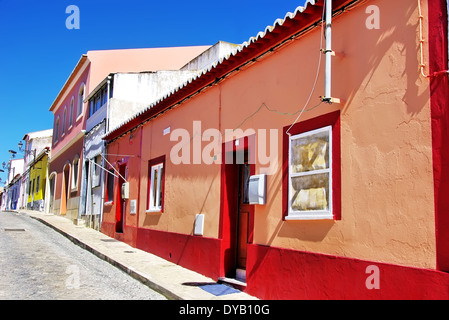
108 228
439 104
275 273
129 234
229 202
200 254
332 119
228 208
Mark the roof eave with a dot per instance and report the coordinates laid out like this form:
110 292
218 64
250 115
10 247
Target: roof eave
72 76
294 24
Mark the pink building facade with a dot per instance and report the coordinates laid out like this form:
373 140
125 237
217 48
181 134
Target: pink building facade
70 112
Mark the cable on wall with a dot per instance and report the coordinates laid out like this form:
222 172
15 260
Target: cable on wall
317 74
421 46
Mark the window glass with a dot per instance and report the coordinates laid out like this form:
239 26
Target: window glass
110 187
310 152
75 173
64 118
37 183
71 113
155 188
310 174
79 108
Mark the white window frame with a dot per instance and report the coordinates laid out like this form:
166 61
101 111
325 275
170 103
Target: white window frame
72 105
74 185
310 214
64 120
151 208
96 171
80 104
56 133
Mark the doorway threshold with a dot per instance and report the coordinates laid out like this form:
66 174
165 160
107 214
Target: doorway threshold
239 282
240 274
233 282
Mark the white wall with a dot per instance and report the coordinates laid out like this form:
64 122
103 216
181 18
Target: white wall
133 92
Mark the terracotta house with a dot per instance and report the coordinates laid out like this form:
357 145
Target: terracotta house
296 170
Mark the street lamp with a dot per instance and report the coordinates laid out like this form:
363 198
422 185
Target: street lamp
13 153
6 166
26 152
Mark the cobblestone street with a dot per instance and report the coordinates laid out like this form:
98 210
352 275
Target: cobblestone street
37 263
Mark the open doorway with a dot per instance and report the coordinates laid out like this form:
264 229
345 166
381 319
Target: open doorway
237 216
65 189
51 198
121 203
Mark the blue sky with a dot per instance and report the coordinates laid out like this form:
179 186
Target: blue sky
38 52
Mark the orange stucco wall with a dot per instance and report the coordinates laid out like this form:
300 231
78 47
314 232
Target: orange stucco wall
387 188
189 189
387 197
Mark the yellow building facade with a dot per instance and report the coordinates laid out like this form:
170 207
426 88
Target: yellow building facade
37 182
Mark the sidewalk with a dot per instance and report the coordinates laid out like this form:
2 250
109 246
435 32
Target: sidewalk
167 278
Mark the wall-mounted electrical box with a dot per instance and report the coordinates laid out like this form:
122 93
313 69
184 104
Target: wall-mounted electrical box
133 207
199 225
258 189
125 191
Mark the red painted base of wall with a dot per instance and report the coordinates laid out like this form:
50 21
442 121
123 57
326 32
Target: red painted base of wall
128 236
281 274
195 253
275 273
108 229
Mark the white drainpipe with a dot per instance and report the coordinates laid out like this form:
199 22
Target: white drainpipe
329 54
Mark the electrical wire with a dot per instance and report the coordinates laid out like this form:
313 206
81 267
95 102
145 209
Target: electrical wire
317 74
276 111
113 168
300 111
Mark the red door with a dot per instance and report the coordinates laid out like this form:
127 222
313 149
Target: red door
121 204
243 216
237 216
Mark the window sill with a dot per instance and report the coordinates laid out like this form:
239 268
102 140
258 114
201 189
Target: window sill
109 203
310 216
153 211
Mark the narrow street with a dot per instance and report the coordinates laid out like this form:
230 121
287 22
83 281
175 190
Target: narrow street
37 263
